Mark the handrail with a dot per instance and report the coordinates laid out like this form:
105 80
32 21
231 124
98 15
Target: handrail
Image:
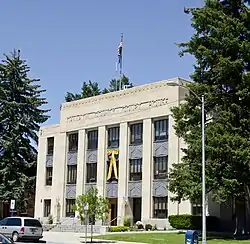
109 222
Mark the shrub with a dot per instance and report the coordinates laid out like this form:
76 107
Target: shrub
139 225
193 222
154 227
148 227
50 219
118 229
127 221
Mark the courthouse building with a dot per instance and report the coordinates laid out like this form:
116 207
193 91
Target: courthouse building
124 144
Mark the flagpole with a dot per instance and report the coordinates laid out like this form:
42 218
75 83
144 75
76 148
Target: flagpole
121 60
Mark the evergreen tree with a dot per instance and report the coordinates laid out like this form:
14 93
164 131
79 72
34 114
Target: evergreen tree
20 117
221 46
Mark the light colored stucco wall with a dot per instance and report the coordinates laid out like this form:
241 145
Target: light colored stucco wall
142 103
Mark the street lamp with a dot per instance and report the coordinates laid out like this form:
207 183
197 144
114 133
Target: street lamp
202 100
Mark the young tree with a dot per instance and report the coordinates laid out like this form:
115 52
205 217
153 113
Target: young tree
98 206
20 117
221 46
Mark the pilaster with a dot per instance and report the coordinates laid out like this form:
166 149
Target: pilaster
58 178
81 163
123 176
147 167
101 164
40 178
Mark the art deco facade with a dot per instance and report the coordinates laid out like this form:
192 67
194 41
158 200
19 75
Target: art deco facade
123 143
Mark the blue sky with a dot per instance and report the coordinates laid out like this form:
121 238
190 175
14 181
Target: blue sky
68 42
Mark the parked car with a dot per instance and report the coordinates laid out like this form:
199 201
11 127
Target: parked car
5 240
24 228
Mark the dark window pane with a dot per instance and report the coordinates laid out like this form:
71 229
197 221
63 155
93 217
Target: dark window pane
113 137
197 207
160 167
50 145
32 223
72 174
49 174
91 172
93 139
160 207
73 142
161 130
69 205
14 222
136 133
135 169
47 207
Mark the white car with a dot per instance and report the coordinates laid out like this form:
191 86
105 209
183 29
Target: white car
24 228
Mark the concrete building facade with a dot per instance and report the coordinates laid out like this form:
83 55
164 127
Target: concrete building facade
124 144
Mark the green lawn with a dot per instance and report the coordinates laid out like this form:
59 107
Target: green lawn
160 238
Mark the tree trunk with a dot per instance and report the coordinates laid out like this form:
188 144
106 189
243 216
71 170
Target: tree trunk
241 215
91 235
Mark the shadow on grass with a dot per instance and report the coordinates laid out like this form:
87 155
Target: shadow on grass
99 241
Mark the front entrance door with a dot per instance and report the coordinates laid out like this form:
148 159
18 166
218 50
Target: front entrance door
113 211
137 209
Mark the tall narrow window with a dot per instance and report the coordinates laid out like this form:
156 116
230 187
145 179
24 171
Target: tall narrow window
50 146
135 169
92 139
113 137
161 130
49 173
72 174
91 172
73 142
47 207
160 207
136 132
69 207
160 167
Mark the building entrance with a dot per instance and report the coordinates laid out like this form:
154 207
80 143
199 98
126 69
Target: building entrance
113 211
136 209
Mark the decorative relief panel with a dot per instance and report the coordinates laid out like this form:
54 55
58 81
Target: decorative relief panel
112 190
70 191
91 156
160 149
135 151
49 160
88 186
119 110
134 189
160 188
72 158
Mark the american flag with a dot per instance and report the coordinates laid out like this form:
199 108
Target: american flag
120 49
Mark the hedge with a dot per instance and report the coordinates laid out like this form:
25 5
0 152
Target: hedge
193 222
118 229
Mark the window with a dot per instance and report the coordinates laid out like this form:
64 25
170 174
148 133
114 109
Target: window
160 167
135 169
72 173
160 207
32 223
161 130
69 205
49 173
13 222
136 132
3 222
93 139
50 145
91 172
73 142
113 137
197 207
47 207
